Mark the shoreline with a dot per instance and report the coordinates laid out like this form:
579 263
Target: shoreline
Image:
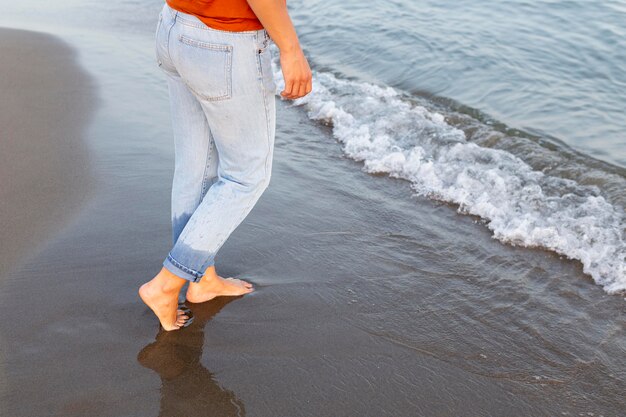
48 102
367 302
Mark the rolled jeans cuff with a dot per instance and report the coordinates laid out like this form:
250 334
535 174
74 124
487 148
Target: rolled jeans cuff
181 270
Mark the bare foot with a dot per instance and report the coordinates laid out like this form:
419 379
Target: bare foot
212 285
161 295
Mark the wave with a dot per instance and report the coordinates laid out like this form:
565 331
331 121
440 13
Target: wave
391 133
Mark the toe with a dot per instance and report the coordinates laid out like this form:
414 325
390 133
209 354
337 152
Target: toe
241 282
245 285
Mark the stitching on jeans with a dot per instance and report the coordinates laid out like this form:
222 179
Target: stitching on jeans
229 73
207 161
183 267
205 45
167 41
265 44
267 117
156 37
228 76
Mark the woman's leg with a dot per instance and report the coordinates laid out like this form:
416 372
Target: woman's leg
161 293
196 162
230 75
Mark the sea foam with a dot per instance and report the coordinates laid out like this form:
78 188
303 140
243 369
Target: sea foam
522 206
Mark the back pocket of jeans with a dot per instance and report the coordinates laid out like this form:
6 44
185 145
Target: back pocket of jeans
206 68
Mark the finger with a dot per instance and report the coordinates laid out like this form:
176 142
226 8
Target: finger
294 90
299 90
302 89
288 88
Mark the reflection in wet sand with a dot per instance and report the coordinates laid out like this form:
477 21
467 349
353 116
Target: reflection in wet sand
188 388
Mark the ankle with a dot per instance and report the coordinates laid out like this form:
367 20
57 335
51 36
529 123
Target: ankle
208 281
169 289
167 282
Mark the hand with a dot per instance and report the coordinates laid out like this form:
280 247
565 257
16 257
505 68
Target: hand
297 74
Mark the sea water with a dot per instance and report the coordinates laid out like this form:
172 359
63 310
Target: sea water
511 111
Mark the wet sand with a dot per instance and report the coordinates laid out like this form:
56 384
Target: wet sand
47 102
368 302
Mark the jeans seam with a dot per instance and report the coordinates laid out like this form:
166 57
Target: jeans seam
167 41
228 67
207 161
267 116
159 24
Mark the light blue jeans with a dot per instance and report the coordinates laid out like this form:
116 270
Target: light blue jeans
223 108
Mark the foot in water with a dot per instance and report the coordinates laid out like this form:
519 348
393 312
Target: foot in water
212 285
161 295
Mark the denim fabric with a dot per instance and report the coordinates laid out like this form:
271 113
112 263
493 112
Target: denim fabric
222 97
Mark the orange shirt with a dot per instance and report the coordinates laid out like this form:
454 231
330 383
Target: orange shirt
230 15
